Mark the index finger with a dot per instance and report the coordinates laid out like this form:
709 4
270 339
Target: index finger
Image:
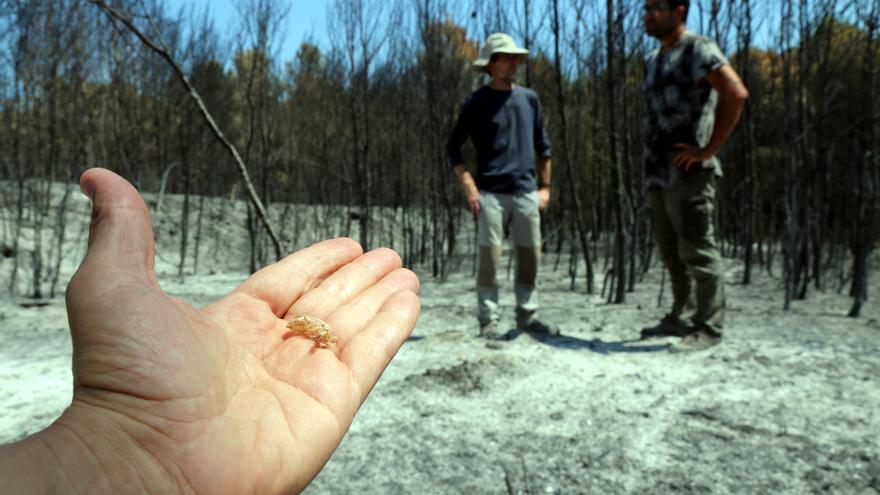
282 283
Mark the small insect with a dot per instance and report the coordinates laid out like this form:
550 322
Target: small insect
313 328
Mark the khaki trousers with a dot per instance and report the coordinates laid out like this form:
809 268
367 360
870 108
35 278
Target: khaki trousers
519 214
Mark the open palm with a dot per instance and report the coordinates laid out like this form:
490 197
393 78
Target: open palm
224 399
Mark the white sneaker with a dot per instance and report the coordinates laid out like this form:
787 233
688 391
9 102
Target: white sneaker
489 329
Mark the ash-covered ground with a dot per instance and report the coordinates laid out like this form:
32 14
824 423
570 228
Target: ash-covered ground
789 402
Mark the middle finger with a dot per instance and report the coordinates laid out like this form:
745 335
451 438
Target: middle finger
346 283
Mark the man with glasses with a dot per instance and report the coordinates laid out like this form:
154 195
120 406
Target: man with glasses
506 126
694 99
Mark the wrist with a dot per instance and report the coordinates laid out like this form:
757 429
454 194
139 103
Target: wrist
710 151
28 466
76 457
47 462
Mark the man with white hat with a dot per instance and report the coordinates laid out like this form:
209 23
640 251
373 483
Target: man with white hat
506 126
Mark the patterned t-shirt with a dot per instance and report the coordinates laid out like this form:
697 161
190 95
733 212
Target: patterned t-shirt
680 104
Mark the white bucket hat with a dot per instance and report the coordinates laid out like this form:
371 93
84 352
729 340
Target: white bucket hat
497 43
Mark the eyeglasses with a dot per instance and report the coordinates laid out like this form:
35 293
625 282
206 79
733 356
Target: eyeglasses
654 8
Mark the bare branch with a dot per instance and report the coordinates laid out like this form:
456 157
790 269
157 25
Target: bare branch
264 217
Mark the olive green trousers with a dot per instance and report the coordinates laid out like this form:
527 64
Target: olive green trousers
682 222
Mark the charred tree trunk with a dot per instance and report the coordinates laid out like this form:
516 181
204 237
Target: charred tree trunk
866 215
744 29
789 160
568 166
617 172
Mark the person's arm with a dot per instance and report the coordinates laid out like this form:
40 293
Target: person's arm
29 466
453 152
732 96
469 186
545 173
66 459
543 151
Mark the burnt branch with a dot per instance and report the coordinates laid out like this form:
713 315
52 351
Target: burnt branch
114 14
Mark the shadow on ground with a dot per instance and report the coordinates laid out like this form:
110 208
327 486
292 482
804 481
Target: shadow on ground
596 345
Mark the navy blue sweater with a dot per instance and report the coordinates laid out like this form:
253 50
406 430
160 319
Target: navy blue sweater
507 130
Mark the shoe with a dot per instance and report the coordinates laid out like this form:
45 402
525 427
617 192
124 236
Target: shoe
669 326
533 325
702 339
489 330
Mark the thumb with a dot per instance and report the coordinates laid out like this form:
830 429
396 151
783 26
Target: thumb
121 246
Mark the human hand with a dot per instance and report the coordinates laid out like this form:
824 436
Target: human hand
169 398
543 198
690 155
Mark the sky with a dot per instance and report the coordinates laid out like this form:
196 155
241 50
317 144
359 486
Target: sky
307 18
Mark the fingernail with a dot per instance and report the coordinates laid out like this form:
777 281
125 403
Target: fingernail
88 188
